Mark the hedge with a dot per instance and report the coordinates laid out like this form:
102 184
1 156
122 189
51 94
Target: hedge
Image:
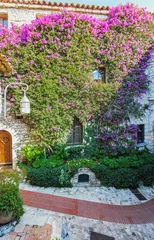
10 199
124 177
49 177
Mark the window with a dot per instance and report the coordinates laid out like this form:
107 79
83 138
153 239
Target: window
140 133
40 15
4 19
76 134
99 75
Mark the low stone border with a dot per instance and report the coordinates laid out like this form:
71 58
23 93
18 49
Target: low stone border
9 227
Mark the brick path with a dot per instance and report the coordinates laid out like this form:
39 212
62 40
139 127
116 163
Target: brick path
130 214
23 232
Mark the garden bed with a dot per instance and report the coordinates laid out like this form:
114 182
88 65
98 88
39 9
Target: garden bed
126 170
119 177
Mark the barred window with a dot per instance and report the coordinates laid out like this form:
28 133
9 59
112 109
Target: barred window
140 133
76 134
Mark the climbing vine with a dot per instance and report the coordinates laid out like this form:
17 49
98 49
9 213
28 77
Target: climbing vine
126 49
55 56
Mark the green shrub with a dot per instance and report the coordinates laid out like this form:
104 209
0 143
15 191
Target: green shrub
135 158
64 178
124 177
59 152
47 163
132 151
37 157
146 174
32 153
116 177
10 200
50 177
82 163
75 152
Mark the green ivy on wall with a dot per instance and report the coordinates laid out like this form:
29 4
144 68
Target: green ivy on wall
56 55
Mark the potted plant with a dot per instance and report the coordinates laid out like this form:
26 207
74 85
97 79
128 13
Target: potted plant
11 204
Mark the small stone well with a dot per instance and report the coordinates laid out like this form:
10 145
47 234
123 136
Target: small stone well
85 178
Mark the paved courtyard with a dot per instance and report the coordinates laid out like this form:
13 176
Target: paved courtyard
49 215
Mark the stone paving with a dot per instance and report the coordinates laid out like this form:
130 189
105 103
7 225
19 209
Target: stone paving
102 194
26 232
79 228
133 214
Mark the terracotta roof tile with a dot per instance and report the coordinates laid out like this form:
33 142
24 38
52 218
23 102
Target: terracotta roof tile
56 4
5 66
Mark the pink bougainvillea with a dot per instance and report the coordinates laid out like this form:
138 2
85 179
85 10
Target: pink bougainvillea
56 55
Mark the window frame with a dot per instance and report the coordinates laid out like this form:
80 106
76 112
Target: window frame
99 69
76 123
140 133
3 18
40 15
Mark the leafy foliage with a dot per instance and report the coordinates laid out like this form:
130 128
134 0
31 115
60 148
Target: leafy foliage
75 152
60 82
135 158
37 157
10 200
32 153
64 178
124 177
124 170
127 52
82 163
118 177
50 177
47 163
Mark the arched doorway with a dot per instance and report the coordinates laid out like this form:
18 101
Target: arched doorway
5 148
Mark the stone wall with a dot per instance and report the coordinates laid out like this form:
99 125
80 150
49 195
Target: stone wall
22 16
21 13
20 136
148 119
92 182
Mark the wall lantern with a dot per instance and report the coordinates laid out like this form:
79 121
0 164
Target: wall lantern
24 103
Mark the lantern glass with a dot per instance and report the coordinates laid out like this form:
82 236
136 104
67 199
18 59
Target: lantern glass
24 105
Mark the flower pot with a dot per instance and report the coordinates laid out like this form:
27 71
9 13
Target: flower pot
5 218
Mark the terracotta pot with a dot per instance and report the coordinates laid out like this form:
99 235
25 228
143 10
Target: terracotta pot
5 218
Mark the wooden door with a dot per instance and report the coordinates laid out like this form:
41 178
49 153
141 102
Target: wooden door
5 148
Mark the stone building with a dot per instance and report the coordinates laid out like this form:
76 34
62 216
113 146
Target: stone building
24 11
13 133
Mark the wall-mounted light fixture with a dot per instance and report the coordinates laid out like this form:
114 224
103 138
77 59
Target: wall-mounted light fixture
24 103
